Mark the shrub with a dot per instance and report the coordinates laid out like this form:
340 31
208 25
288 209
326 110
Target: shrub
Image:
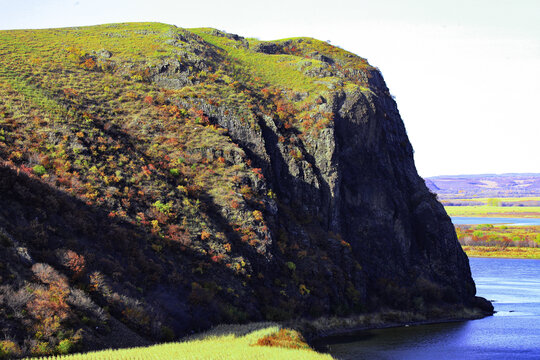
89 64
16 300
41 348
48 275
39 170
163 208
8 349
75 263
65 346
284 338
49 308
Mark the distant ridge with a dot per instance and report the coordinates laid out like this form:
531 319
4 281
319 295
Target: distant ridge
485 185
483 175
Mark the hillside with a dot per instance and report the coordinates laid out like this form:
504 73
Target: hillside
488 185
157 180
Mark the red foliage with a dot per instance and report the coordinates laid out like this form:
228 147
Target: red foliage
176 234
258 172
235 204
75 262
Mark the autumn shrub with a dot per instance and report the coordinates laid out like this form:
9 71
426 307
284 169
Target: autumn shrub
9 349
75 263
49 308
284 338
89 64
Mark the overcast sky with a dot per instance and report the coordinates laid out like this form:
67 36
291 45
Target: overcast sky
465 73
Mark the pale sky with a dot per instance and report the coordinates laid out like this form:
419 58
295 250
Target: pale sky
465 73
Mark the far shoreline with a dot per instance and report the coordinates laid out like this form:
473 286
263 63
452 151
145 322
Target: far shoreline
493 252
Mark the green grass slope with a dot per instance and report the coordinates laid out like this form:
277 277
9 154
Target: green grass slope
263 342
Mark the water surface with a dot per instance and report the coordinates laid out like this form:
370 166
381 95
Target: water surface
512 333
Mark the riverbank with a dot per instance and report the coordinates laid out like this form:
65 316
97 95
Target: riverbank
321 328
515 332
499 252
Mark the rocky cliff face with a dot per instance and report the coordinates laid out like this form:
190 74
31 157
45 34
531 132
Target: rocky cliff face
207 179
358 179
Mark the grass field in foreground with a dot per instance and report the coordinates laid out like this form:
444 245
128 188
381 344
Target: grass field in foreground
494 211
241 342
498 252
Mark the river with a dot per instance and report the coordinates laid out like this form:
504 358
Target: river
512 333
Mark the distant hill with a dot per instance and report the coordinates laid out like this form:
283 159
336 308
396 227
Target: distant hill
485 185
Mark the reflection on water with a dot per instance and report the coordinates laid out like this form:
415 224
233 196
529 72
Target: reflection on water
512 333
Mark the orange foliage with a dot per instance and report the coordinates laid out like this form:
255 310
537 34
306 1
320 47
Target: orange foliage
49 307
76 263
89 64
205 235
284 338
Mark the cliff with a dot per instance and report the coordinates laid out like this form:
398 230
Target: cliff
158 180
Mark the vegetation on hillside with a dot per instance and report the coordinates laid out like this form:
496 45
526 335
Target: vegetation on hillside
118 183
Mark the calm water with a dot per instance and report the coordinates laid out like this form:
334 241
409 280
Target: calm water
512 333
458 220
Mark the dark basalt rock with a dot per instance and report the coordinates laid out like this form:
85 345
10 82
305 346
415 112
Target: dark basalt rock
268 48
359 180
